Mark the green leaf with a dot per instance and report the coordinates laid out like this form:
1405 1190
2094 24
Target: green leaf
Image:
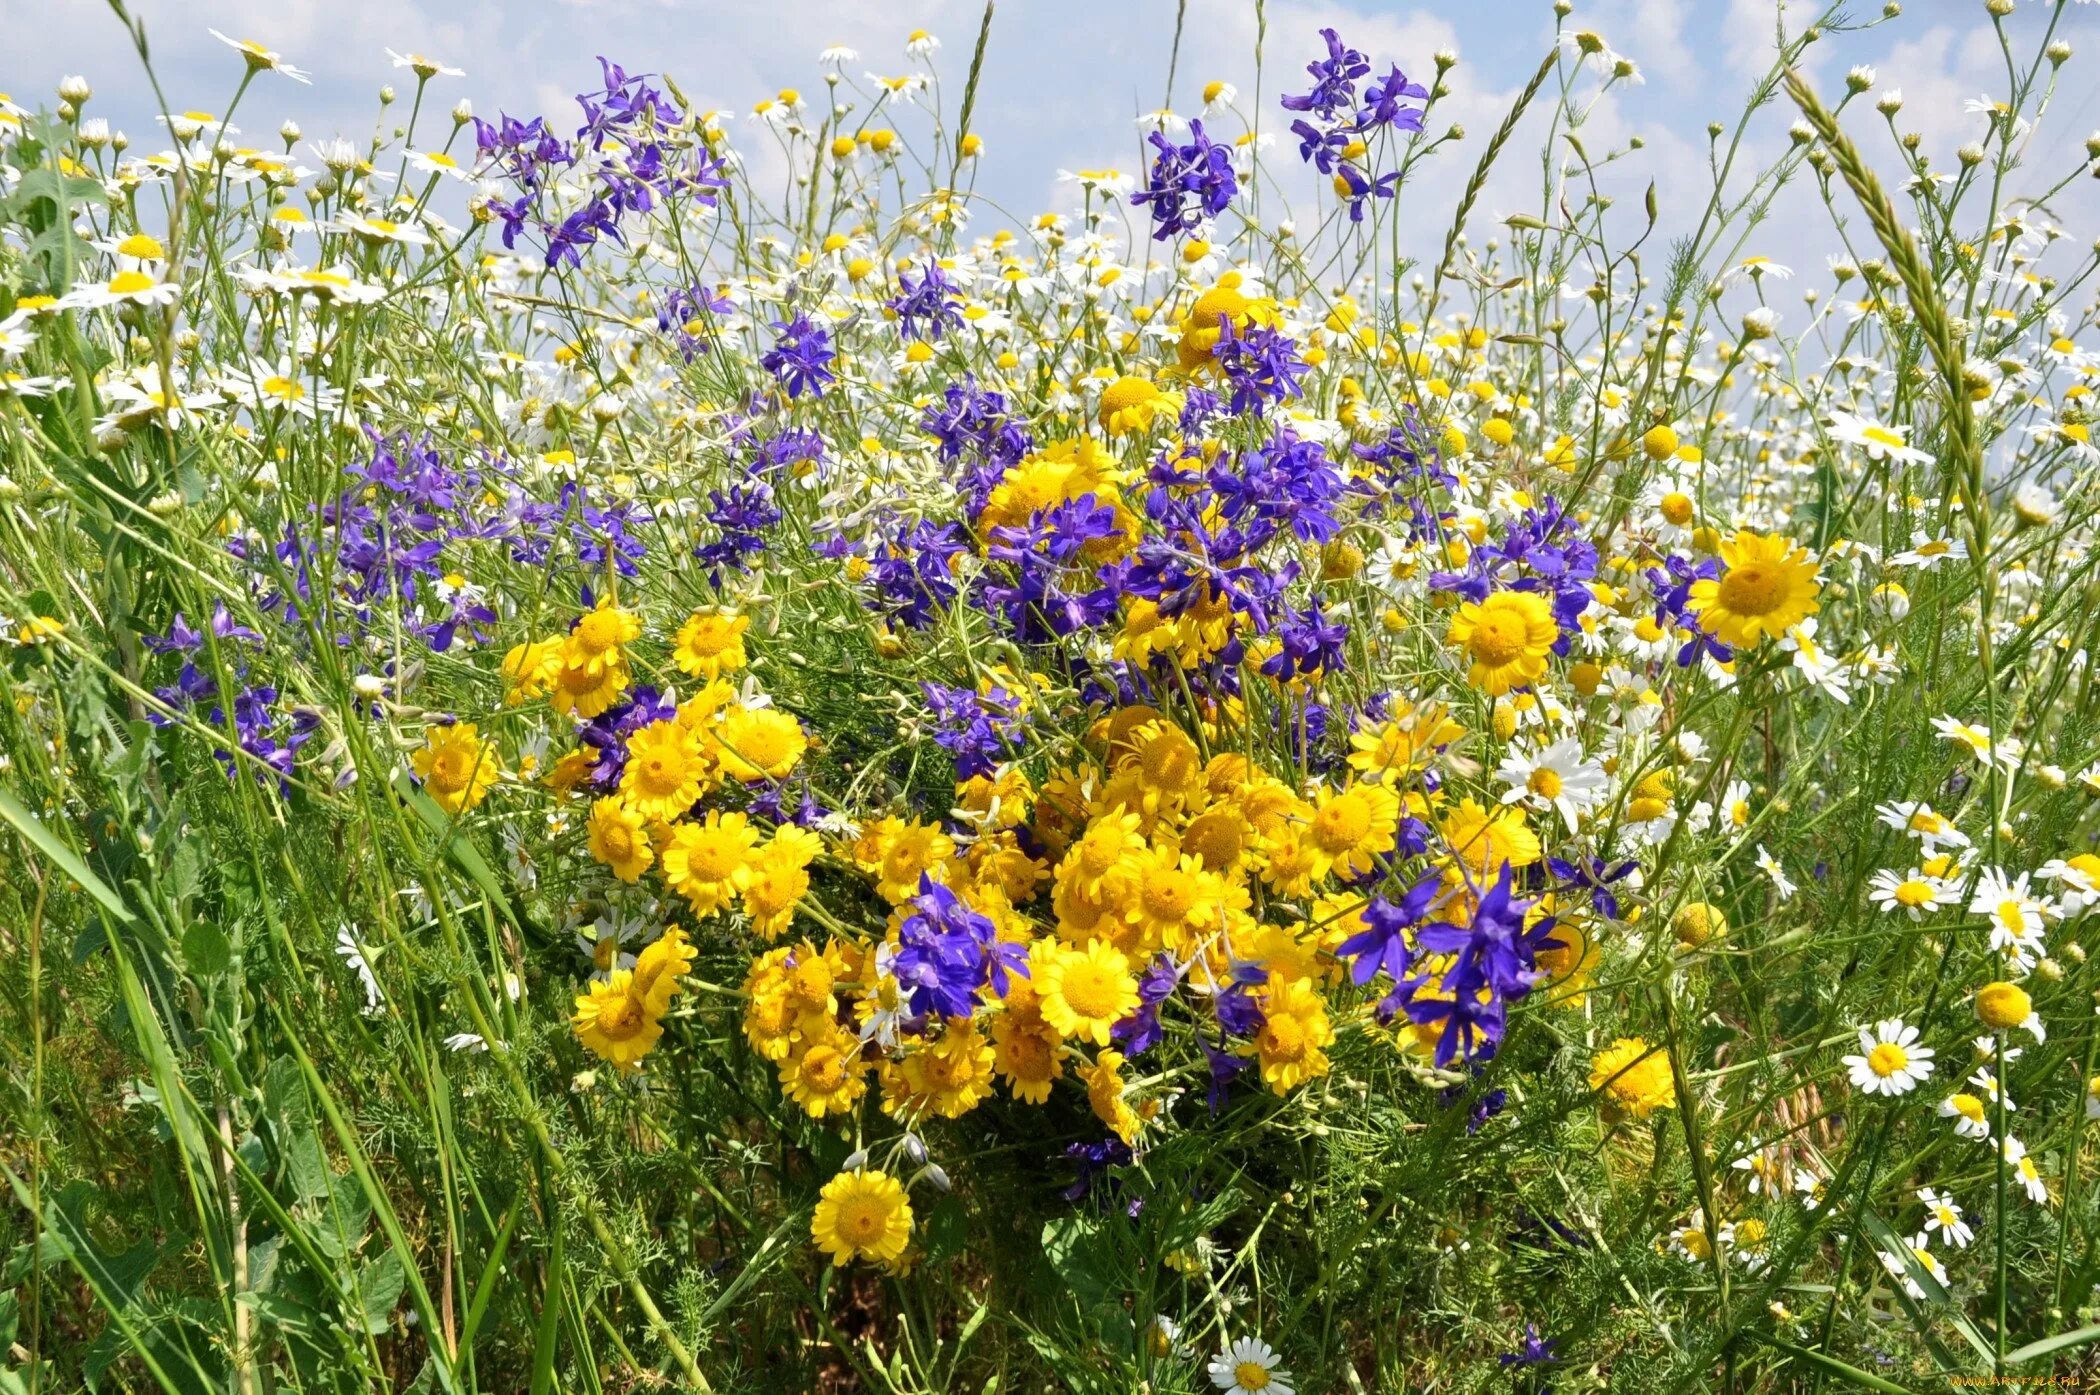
2077 1337
61 856
379 1287
206 949
1832 1366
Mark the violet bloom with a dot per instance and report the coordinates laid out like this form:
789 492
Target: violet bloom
929 309
801 358
1334 80
1382 103
1201 170
948 953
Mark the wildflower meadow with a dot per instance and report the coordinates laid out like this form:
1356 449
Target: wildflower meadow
653 748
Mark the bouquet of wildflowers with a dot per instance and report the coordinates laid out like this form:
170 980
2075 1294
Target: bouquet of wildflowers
616 776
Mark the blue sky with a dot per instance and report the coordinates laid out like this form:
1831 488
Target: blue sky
1065 79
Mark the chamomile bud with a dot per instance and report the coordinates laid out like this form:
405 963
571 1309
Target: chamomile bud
75 90
462 112
1860 78
386 96
1761 322
1970 153
1801 133
1889 102
289 133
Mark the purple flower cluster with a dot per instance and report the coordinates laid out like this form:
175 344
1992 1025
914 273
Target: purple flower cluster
948 954
1191 182
1672 584
268 733
1493 962
1047 593
978 729
928 309
978 434
643 168
684 309
801 357
1262 366
1338 122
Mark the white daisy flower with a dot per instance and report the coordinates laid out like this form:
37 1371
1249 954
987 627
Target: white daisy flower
1878 441
1912 892
1249 1366
1891 1062
1559 778
1944 1219
354 956
2024 1170
1967 1113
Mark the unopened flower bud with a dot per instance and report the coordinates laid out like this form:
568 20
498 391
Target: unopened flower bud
74 89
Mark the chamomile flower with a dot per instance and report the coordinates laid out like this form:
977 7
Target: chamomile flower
1916 1253
1249 1366
1943 1219
2024 1171
263 59
1878 442
1913 893
1771 867
2018 918
1967 1112
424 67
1890 1061
1558 777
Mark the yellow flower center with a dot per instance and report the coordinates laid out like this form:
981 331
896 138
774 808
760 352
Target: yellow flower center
1251 1375
1342 824
1753 588
1544 783
1499 636
1169 892
1886 1059
1091 990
